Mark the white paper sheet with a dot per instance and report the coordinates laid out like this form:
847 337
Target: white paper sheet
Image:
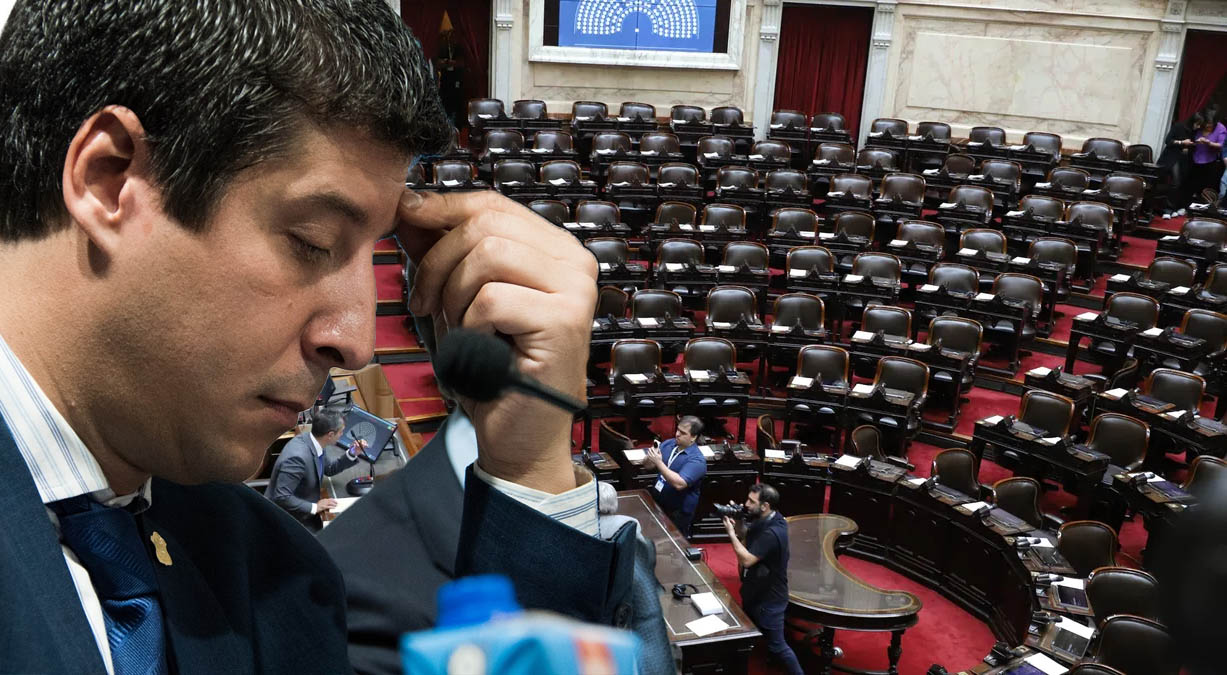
991 420
770 453
707 625
635 454
1087 316
1045 664
706 603
802 382
1040 371
849 461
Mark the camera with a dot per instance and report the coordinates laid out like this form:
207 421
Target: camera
734 512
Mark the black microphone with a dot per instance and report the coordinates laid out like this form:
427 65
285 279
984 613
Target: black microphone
478 366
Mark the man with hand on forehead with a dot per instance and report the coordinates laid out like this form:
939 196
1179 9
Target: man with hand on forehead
192 194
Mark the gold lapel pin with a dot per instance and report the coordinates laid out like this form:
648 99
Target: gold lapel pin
159 549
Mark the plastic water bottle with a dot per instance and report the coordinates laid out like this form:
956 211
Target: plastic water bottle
483 630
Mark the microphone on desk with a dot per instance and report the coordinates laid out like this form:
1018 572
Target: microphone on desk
479 366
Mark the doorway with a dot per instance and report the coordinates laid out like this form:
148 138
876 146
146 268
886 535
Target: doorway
823 54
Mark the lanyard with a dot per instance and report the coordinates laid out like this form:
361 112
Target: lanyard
677 450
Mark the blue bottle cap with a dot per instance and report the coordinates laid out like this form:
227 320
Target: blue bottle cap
476 599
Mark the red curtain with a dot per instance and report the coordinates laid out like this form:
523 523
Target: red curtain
423 18
822 58
1204 66
471 26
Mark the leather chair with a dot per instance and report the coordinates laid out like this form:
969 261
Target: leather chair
772 149
1207 477
633 109
727 115
787 118
601 213
1140 309
1205 229
828 121
960 334
786 179
616 141
1207 325
676 212
794 220
904 374
748 253
1092 669
866 441
453 169
826 364
1135 646
854 185
809 258
896 127
634 174
957 469
477 108
566 169
1051 412
1123 590
1172 271
659 142
854 224
724 215
888 319
841 154
955 278
938 131
877 158
1003 170
721 145
1020 496
983 239
1104 148
610 250
959 164
552 210
416 175
554 140
876 265
684 251
1022 287
1042 206
1216 280
973 196
1120 437
922 232
1125 184
730 304
529 109
802 309
736 178
610 301
1181 389
713 354
1092 213
679 174
519 171
1069 177
1043 142
589 110
634 357
1055 250
502 140
687 113
992 135
1139 152
654 303
611 441
1087 545
764 434
906 186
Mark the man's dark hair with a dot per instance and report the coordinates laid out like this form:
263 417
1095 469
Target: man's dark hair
767 495
693 424
326 421
219 86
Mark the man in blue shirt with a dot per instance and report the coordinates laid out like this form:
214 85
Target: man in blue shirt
681 467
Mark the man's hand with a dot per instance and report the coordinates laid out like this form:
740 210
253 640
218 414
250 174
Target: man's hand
325 505
651 456
490 265
730 526
360 447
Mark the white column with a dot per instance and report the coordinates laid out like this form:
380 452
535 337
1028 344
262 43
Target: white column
500 54
1160 106
875 69
768 57
394 4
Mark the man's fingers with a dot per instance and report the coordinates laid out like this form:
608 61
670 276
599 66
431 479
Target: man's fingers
447 210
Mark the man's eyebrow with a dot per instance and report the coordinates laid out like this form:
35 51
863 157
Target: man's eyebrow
338 204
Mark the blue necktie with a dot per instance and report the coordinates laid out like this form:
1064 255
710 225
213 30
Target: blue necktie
319 468
108 544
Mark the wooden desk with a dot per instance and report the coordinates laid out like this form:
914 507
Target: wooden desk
822 591
726 651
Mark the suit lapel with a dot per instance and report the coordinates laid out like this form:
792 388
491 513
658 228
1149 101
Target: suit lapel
435 496
38 571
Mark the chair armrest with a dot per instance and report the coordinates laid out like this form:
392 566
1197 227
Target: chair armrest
900 462
1052 522
257 484
986 491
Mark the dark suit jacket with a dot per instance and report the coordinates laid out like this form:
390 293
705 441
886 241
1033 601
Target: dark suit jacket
295 485
403 540
248 590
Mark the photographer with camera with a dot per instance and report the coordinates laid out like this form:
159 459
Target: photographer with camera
763 563
681 475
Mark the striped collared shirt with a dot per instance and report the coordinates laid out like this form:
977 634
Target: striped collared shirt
575 507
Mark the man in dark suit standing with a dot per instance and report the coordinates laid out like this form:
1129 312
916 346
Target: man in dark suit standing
191 198
303 463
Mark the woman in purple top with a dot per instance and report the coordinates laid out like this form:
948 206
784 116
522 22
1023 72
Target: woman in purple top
1207 154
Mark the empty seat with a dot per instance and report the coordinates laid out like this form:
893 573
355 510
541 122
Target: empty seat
1093 214
828 121
529 109
599 212
1042 206
811 259
922 232
877 158
938 131
1104 148
1140 152
1125 185
959 164
840 154
588 110
736 178
676 212
677 174
729 216
972 196
687 113
895 127
1120 437
659 142
1135 646
750 254
1139 309
1054 250
903 186
655 304
1205 229
982 239
854 224
1172 271
553 140
960 334
681 251
1045 410
715 146
866 441
561 170
1123 590
1002 170
1069 177
852 185
957 469
514 171
727 115
636 110
1043 142
609 250
887 319
771 150
454 169
730 304
481 108
992 135
955 278
1087 545
552 210
1181 389
876 265
792 220
1207 325
610 142
500 141
631 174
787 119
782 180
1020 496
416 174
1207 477
610 301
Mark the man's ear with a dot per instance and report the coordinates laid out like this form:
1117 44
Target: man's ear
104 175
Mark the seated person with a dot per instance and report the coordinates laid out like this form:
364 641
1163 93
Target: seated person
302 465
681 467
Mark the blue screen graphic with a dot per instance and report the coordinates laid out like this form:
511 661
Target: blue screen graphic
673 25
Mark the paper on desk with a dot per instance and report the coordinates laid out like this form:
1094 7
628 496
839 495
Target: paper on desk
967 251
1074 627
634 454
1038 542
849 461
726 268
1179 290
915 481
991 420
854 278
971 507
635 378
929 288
862 389
1152 332
1021 261
984 297
898 242
1045 664
807 234
1040 371
707 228
1087 316
780 328
707 625
721 324
1051 440
596 324
947 205
685 227
700 375
648 153
919 346
1120 277
798 274
1116 393
706 603
711 155
1014 214
931 172
1173 414
648 322
802 382
707 451
451 182
826 235
343 503
1170 237
862 336
1043 185
1071 582
754 157
774 454
674 267
588 226
604 267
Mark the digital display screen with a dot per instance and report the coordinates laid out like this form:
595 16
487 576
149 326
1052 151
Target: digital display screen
362 425
672 25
